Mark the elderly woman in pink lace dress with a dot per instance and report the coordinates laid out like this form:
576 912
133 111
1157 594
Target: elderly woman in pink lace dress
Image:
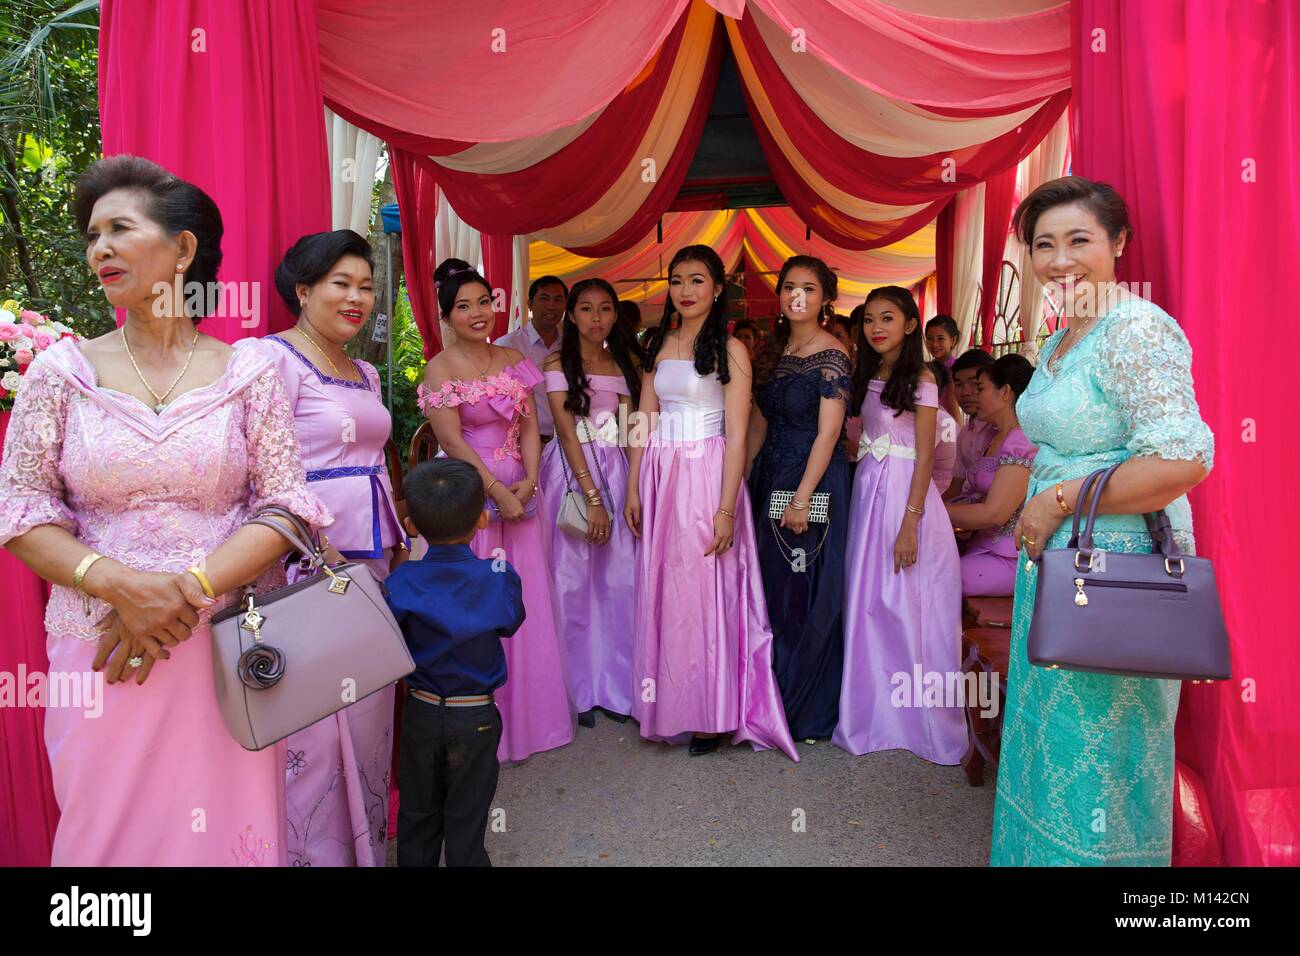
131 464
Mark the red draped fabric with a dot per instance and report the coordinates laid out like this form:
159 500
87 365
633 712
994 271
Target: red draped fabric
498 260
28 811
897 180
999 191
573 178
483 71
945 243
228 96
668 180
417 198
971 58
1189 111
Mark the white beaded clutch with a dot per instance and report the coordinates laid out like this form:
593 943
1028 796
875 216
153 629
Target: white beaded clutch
819 507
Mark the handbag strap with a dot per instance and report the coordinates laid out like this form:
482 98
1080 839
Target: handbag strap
1081 505
568 476
1157 522
298 533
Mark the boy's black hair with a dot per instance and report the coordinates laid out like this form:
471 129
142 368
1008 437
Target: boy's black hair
444 497
947 323
971 358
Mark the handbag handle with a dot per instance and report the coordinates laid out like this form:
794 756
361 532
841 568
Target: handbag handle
1081 505
298 534
1157 522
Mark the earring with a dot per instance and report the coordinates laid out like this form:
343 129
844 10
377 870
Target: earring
1118 254
180 267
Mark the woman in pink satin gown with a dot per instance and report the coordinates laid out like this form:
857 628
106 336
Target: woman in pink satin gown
702 659
337 770
479 400
97 462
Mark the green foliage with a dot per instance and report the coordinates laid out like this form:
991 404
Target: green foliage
49 133
408 371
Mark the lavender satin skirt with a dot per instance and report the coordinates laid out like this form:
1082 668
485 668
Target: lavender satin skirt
594 588
702 658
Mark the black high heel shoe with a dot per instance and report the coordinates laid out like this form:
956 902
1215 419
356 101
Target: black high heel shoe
617 718
587 719
703 745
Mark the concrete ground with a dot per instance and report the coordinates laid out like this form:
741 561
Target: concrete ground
613 799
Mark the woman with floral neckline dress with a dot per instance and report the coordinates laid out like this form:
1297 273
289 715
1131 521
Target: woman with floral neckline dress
478 397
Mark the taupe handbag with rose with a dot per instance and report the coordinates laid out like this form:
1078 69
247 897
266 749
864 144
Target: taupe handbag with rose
287 658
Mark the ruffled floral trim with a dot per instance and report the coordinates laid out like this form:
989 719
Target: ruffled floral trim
502 386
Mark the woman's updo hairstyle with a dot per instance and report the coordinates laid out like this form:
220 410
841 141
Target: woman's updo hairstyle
312 258
175 204
1013 370
1100 199
451 276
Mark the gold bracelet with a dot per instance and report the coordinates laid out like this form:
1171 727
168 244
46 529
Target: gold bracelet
79 575
488 489
199 573
798 505
1060 498
916 511
724 511
582 474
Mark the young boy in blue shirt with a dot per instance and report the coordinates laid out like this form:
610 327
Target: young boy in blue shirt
453 608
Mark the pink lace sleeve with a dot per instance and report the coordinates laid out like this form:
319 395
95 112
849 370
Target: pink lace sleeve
274 456
33 486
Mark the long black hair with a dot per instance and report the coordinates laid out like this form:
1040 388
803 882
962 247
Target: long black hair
622 346
711 343
899 392
771 353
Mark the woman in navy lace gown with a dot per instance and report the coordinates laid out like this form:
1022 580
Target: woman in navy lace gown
803 384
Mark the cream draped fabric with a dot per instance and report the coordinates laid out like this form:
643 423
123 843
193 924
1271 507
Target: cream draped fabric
353 154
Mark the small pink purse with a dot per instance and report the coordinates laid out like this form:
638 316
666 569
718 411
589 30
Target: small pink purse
292 656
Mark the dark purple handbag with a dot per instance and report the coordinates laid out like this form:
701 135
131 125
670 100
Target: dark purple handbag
1131 615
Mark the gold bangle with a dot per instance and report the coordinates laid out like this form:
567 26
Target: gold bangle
79 575
915 511
199 573
1060 498
724 511
798 506
494 483
582 474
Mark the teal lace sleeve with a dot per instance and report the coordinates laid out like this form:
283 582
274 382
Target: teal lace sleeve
1145 370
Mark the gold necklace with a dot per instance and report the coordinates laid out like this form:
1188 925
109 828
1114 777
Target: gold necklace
792 349
160 400
335 368
474 364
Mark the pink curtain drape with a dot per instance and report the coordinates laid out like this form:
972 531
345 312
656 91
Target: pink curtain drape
945 239
970 58
228 96
1189 110
417 198
28 811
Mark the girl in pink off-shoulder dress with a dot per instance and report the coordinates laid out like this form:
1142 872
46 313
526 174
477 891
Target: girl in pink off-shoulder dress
479 400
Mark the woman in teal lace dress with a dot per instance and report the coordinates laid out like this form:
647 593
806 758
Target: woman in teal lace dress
1087 762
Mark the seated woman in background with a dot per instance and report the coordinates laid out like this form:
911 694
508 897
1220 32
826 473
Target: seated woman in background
997 481
973 435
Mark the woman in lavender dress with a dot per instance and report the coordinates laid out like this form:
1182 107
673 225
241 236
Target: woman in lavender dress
902 606
593 378
337 770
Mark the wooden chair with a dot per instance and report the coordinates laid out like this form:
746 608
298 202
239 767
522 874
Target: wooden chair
423 446
986 650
